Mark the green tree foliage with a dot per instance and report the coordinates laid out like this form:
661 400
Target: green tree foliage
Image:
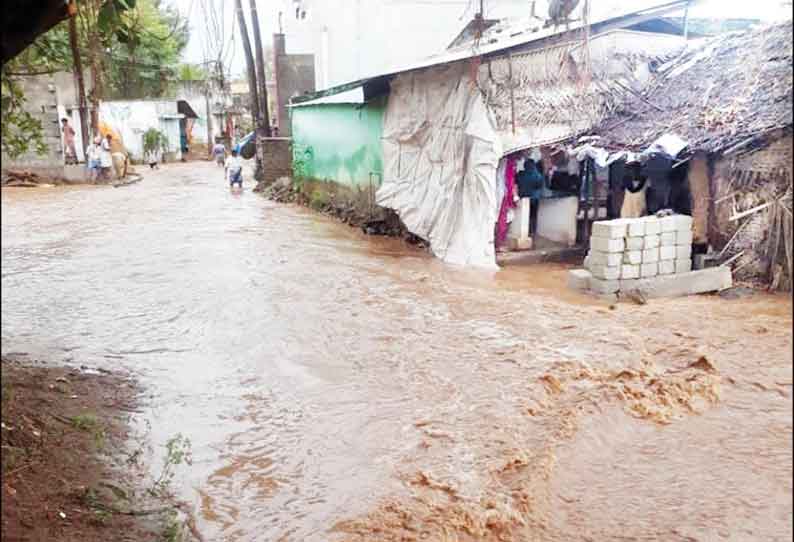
145 51
154 141
20 130
191 72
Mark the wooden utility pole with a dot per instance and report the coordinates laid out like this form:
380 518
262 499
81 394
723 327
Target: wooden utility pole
260 70
249 62
79 83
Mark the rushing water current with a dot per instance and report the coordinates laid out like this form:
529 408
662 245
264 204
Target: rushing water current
336 386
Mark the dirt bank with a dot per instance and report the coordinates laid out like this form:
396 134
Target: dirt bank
69 471
353 207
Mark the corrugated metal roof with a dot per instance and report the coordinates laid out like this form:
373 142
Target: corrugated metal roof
521 33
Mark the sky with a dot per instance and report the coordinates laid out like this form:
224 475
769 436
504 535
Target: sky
268 19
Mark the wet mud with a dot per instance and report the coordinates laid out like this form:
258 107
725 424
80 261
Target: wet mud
339 386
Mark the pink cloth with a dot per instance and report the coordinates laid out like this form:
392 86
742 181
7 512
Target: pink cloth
507 201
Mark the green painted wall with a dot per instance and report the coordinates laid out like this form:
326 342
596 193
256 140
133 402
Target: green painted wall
339 142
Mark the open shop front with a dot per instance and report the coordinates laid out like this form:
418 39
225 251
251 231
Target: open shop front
544 196
548 197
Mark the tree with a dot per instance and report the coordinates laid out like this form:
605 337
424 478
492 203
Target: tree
148 43
252 85
79 81
21 132
191 72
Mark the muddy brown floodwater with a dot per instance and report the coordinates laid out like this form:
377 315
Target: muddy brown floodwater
341 387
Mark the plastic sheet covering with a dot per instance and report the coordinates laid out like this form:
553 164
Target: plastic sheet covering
440 155
668 144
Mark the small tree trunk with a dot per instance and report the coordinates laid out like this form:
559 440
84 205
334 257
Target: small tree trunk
249 62
95 82
78 76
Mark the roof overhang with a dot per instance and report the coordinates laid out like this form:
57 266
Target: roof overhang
25 20
184 108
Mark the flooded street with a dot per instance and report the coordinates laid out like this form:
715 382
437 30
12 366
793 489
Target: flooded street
336 386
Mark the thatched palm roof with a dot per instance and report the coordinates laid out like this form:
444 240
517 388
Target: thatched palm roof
730 94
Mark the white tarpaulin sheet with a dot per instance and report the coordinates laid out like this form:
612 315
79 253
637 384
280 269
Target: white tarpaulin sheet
440 154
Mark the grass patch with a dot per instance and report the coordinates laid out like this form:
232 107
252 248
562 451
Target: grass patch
90 424
318 200
173 529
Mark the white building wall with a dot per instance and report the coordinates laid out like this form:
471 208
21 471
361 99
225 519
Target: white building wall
352 39
130 119
193 93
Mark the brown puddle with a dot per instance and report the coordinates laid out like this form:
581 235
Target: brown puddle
343 387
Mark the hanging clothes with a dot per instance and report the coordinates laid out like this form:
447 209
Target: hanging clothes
529 181
508 201
634 199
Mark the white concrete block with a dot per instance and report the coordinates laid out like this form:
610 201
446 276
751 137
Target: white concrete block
652 226
579 279
650 255
557 219
683 237
599 286
667 239
666 267
683 266
667 224
649 269
605 272
628 285
683 252
666 253
679 284
633 257
651 241
635 243
628 271
611 229
606 245
605 258
682 222
636 227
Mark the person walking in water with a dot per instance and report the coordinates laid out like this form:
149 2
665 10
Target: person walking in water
234 170
70 151
219 152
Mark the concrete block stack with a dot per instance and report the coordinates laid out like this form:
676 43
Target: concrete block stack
626 251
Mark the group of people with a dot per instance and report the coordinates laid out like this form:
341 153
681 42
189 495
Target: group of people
100 157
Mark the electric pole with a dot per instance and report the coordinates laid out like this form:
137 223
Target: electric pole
249 62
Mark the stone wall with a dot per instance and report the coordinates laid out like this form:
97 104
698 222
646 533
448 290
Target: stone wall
42 102
278 158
